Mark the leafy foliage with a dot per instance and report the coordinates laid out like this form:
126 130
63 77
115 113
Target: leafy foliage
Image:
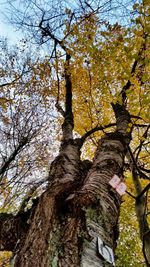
106 56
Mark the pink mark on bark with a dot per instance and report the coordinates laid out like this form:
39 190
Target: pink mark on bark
114 181
119 186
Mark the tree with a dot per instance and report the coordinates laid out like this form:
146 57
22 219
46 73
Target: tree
98 73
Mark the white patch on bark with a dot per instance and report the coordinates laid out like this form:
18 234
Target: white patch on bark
90 256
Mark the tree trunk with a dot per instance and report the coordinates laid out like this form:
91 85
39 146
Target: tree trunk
79 211
140 209
95 209
65 227
39 246
102 216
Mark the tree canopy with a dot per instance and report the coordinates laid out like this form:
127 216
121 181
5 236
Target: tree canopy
76 62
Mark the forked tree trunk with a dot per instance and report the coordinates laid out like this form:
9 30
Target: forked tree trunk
65 229
79 207
94 209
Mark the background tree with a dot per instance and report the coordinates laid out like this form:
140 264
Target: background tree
95 69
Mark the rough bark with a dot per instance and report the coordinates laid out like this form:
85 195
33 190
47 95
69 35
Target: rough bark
104 201
78 206
12 229
99 205
36 249
96 202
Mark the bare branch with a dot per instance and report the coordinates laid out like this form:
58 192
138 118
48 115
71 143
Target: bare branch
133 160
147 187
6 164
140 125
96 129
139 148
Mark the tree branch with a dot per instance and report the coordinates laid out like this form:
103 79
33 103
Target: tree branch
57 105
139 148
95 129
140 208
122 120
146 188
142 174
6 164
134 67
68 124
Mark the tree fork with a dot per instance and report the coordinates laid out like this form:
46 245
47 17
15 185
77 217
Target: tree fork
96 199
100 202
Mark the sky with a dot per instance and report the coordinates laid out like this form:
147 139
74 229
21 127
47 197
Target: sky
6 29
